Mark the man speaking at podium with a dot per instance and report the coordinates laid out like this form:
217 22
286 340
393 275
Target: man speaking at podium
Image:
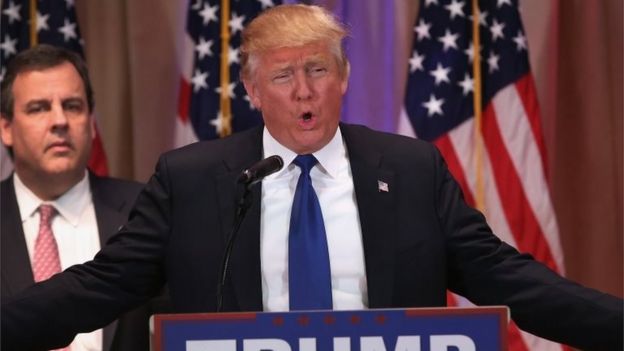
355 219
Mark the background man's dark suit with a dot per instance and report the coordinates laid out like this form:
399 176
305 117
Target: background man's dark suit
112 200
420 238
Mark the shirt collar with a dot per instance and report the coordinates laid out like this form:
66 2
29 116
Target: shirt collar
329 157
70 205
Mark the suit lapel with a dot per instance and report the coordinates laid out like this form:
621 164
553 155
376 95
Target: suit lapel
108 209
16 270
109 217
375 195
377 212
244 269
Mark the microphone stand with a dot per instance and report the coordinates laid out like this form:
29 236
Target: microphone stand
243 205
248 178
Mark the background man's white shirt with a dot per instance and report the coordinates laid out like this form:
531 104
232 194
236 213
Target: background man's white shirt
75 230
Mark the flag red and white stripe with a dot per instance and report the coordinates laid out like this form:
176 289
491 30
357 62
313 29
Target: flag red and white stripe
510 173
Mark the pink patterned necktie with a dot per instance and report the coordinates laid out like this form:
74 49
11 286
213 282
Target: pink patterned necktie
46 262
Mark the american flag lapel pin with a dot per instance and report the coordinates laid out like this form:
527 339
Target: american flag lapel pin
382 186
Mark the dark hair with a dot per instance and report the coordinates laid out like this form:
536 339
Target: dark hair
37 58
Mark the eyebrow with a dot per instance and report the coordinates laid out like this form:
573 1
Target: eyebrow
281 68
313 59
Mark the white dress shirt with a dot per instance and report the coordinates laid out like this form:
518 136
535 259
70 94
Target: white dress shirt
75 230
333 184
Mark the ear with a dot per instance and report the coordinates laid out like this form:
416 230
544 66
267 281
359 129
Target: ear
345 80
5 131
252 92
344 85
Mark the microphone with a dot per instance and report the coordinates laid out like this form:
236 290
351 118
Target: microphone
261 169
248 178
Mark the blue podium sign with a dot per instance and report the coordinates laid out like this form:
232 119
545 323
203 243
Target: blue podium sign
418 329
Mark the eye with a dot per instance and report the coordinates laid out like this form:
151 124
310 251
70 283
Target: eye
317 71
76 106
281 77
37 107
34 109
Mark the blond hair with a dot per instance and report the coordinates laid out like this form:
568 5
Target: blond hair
292 26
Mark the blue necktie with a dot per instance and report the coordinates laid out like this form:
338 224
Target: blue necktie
309 276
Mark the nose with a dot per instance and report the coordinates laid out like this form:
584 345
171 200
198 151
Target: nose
58 118
303 87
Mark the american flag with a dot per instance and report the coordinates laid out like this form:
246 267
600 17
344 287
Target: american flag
212 100
498 157
48 22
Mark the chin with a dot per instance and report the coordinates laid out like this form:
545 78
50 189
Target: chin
63 169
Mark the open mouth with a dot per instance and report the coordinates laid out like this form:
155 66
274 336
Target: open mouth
307 120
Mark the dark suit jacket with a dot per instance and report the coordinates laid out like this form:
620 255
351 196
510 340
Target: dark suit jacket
420 238
112 200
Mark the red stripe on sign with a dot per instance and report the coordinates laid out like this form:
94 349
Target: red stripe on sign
526 90
447 149
97 160
515 343
520 217
184 100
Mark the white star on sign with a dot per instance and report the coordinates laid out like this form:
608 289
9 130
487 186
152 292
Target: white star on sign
470 52
236 23
449 40
422 29
8 46
416 62
218 122
493 62
455 9
497 30
230 90
503 2
68 30
441 74
13 12
42 21
433 106
248 99
482 18
209 13
520 40
199 80
233 55
429 2
204 47
266 3
467 84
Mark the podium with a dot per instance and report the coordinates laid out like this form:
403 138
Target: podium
412 329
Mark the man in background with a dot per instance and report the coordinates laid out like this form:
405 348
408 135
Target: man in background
55 213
